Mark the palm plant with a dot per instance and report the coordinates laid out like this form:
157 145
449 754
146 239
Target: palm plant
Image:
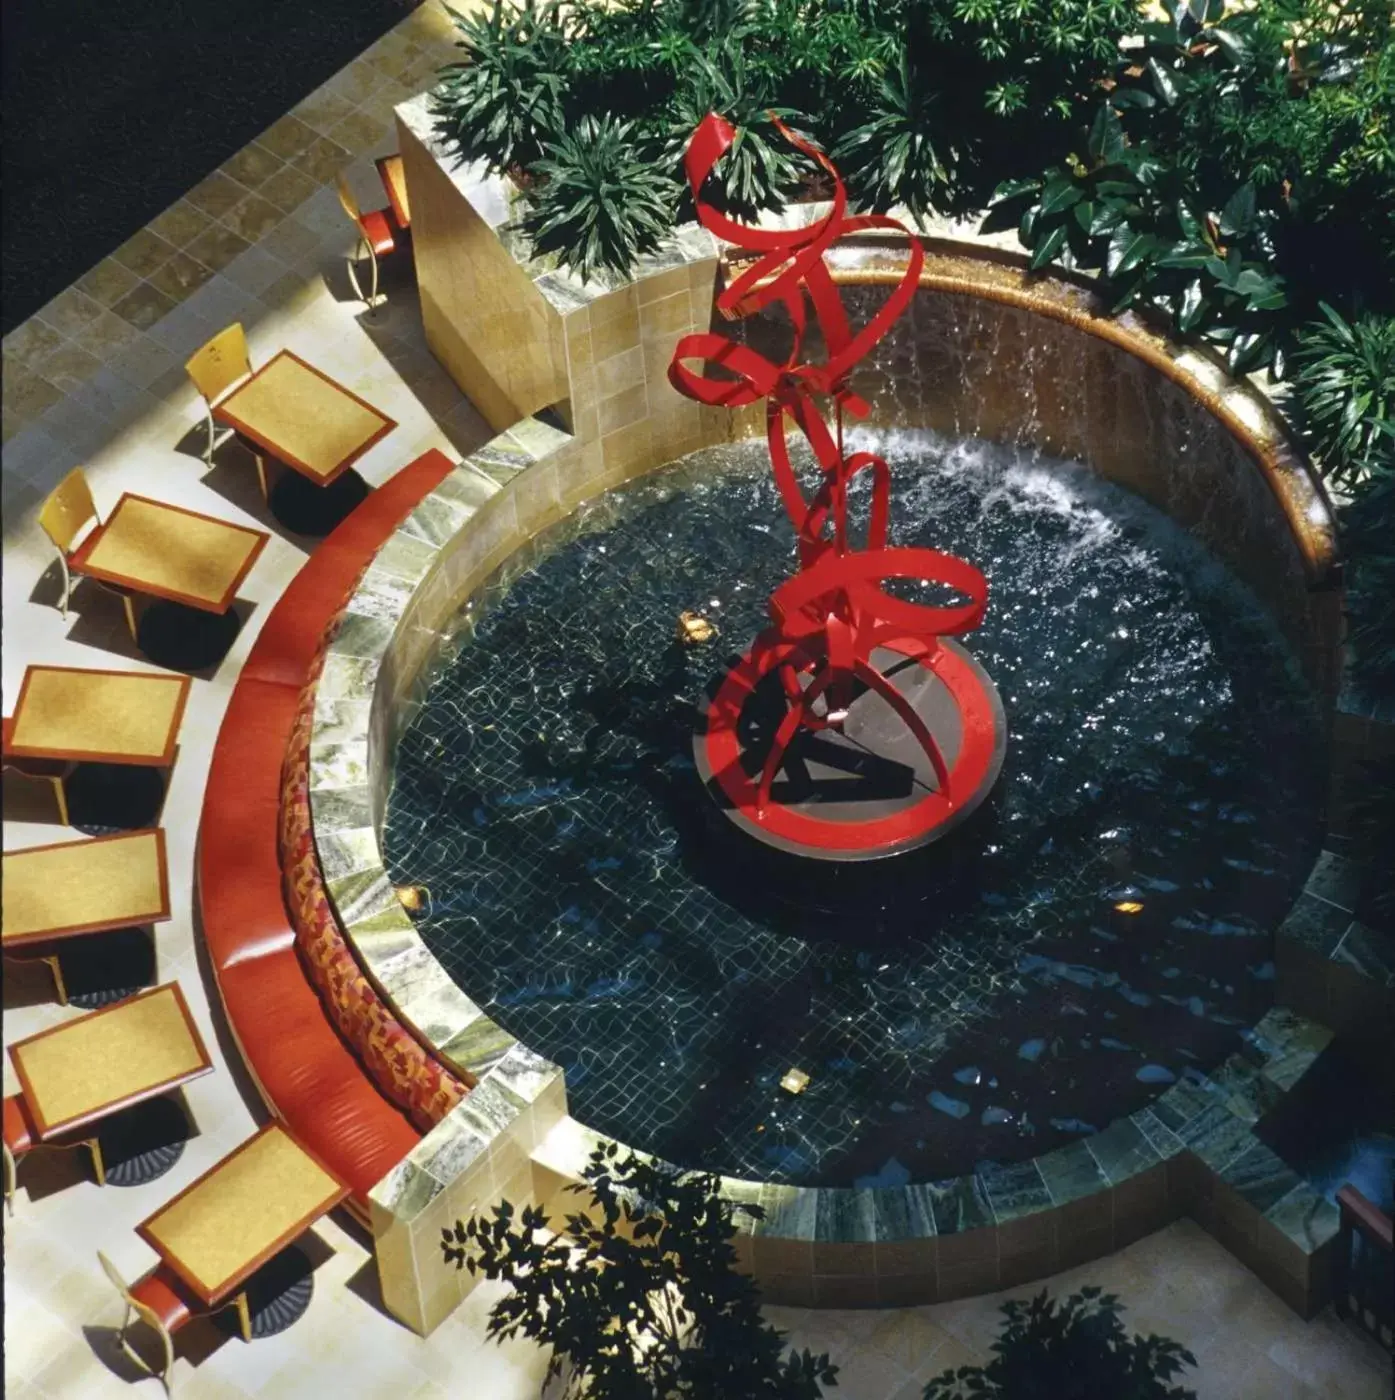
1343 394
899 155
760 171
505 100
599 204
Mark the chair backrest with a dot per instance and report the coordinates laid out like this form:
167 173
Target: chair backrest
118 1282
217 366
347 199
19 1127
68 508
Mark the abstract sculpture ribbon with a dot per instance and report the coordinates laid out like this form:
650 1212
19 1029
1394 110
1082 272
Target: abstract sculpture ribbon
833 614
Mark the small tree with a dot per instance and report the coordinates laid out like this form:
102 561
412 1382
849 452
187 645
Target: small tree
642 1296
1078 1351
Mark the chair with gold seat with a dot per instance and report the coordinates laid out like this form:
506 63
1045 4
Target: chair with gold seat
377 235
64 518
22 1137
216 369
159 1299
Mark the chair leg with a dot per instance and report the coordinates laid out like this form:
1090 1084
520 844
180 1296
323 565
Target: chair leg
67 586
9 1181
58 984
373 295
351 263
61 797
129 604
212 436
261 474
169 1360
99 1167
244 1316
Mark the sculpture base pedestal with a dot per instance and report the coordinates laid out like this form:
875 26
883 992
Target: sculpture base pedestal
866 790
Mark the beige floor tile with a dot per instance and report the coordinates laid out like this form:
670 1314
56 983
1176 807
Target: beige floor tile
108 337
253 218
217 246
322 109
289 240
289 188
68 367
180 276
108 282
145 304
144 252
287 137
70 311
252 165
30 342
322 160
216 194
361 133
29 394
180 224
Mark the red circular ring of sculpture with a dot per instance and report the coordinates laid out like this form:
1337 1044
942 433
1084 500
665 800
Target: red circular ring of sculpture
973 768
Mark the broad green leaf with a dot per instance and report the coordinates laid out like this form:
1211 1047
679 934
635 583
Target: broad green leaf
1106 137
1060 193
1239 212
1051 245
1127 249
1186 255
1235 48
1192 307
1084 215
1164 82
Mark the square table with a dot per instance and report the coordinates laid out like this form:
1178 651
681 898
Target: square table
83 1070
300 416
77 887
81 716
241 1213
394 180
169 552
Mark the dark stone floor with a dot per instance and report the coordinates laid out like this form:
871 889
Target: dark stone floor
113 111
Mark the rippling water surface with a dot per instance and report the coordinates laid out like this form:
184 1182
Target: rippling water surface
1160 755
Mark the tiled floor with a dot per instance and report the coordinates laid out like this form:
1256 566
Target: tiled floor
96 379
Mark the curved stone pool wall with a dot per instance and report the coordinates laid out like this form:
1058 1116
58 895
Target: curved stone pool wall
989 351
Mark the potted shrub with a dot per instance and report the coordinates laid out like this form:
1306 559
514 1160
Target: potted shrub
1078 1350
640 1299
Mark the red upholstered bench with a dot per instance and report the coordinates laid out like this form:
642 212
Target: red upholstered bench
306 1074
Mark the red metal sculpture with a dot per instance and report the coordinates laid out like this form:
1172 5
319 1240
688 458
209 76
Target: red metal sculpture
833 615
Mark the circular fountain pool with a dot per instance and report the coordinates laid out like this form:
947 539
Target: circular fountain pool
1104 923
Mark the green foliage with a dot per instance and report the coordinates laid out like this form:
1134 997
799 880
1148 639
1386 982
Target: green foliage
599 204
891 158
760 171
643 1299
1369 530
1343 395
504 102
1072 1351
1372 825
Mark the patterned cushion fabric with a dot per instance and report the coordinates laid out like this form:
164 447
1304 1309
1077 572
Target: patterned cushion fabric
412 1078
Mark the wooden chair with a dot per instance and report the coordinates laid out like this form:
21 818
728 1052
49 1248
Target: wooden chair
377 236
160 1301
387 167
64 517
216 369
22 1137
53 771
